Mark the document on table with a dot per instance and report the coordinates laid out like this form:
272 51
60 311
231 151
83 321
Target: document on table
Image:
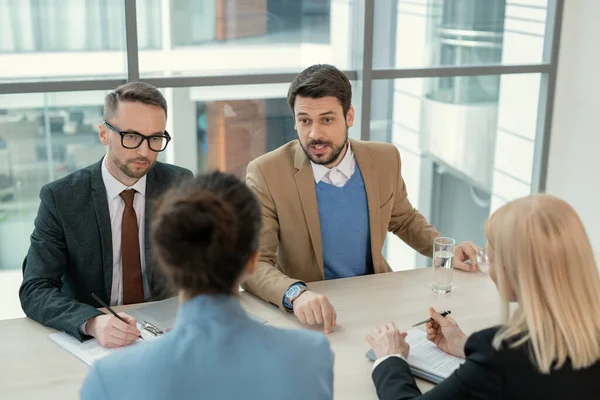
426 360
90 350
161 314
427 357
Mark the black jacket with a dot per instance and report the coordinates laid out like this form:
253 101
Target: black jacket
70 256
491 374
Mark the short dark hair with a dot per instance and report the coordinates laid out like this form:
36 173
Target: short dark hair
135 92
321 80
204 232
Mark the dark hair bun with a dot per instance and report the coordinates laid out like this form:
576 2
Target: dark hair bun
203 221
204 232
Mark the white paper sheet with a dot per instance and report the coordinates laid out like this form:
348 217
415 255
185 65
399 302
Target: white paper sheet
90 350
427 357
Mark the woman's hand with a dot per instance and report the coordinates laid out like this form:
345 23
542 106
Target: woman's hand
446 334
388 340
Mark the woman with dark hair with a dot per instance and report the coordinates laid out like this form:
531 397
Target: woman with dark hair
205 235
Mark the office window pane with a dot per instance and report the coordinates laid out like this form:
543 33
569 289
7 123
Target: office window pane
226 127
459 32
50 39
247 36
467 146
43 137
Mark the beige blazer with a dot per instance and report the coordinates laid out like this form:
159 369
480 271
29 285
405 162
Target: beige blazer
290 241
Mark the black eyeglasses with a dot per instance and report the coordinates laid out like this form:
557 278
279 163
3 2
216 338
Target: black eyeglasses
133 140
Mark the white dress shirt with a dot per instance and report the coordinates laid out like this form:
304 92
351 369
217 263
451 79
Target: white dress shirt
338 175
115 208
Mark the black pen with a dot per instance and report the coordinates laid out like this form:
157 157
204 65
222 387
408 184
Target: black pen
443 314
103 304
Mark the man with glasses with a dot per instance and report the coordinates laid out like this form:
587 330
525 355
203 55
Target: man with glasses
90 234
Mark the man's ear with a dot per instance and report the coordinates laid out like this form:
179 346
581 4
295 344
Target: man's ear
103 134
350 117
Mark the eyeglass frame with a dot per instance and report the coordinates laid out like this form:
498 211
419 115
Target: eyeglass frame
144 137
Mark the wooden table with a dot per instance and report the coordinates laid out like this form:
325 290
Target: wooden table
31 366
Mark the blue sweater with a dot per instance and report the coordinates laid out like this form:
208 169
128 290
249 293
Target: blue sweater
345 234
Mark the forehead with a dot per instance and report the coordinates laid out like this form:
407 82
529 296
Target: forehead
310 106
140 117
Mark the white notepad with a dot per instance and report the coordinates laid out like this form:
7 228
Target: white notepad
90 350
426 360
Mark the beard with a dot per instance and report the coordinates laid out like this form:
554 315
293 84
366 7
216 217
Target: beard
336 150
130 171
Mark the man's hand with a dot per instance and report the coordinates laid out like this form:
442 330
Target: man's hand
388 340
313 308
446 334
111 332
466 251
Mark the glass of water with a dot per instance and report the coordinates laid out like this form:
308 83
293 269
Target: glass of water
483 261
443 254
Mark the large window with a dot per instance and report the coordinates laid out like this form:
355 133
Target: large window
463 88
465 150
43 137
227 127
248 36
58 39
464 32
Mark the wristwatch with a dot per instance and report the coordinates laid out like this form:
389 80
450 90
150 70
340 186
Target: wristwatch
293 292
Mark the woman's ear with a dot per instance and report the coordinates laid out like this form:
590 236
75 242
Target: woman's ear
252 264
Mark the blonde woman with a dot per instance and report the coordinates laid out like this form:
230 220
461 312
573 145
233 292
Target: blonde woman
541 258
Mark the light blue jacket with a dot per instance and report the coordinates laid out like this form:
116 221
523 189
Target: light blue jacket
216 351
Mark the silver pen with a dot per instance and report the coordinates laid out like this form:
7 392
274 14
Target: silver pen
443 314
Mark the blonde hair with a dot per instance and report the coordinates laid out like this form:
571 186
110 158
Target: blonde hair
543 259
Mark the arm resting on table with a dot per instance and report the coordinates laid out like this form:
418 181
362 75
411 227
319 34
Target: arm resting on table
477 378
44 266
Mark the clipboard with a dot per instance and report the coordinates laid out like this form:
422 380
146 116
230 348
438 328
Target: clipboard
422 351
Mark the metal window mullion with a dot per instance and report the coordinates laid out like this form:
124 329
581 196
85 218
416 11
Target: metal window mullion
228 80
59 86
365 72
439 72
162 82
546 97
131 41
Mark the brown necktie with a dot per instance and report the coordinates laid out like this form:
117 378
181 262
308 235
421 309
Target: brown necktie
133 288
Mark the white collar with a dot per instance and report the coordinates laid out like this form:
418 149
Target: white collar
114 187
346 166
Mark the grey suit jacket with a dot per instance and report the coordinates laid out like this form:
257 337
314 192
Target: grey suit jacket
70 256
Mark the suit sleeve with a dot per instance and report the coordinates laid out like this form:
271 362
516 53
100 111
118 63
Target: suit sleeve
478 378
267 282
43 269
408 223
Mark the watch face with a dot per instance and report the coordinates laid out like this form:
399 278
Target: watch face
293 291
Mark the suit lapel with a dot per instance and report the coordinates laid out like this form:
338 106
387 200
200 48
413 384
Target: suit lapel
100 204
305 184
151 194
369 174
